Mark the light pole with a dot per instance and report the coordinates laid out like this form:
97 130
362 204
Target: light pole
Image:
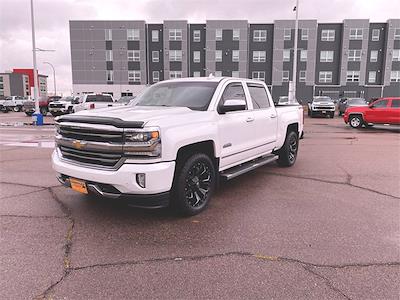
35 77
54 77
292 84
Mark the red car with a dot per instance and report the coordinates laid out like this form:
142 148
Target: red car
381 111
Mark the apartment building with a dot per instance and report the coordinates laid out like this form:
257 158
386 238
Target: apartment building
352 58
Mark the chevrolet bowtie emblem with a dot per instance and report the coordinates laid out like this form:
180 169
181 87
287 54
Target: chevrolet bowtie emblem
78 144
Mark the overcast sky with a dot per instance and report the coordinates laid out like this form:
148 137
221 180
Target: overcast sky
52 18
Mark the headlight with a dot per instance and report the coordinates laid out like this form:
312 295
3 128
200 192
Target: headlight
142 143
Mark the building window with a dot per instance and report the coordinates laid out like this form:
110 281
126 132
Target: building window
218 74
303 55
354 55
304 34
154 35
396 55
196 35
134 76
109 55
235 74
375 34
285 76
259 56
356 34
302 76
196 74
218 55
235 55
155 56
353 76
395 76
236 34
325 77
259 35
397 34
326 56
134 55
196 56
374 56
175 34
218 34
258 75
175 74
286 55
287 34
156 76
108 34
372 76
328 35
133 34
175 55
109 75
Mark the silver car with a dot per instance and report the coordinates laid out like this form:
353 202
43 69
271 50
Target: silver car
344 103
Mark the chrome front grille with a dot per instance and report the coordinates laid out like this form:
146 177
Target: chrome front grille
91 134
91 157
100 146
324 107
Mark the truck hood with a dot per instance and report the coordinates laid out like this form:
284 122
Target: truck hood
150 115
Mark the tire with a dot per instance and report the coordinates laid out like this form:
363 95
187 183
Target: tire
288 153
44 111
193 176
332 115
16 108
356 121
29 114
70 110
5 111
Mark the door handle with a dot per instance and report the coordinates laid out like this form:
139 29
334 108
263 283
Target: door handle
273 116
249 119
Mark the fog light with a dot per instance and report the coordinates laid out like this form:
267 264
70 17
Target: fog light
141 179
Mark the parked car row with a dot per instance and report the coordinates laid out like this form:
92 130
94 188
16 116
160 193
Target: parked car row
57 105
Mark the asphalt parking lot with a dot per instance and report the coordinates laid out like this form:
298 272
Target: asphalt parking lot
327 228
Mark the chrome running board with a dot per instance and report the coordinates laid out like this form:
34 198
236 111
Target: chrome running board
248 166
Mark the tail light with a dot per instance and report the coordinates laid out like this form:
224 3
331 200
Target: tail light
91 106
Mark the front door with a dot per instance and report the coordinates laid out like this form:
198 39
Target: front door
236 128
378 112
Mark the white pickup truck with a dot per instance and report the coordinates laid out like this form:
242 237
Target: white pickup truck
92 101
175 145
14 103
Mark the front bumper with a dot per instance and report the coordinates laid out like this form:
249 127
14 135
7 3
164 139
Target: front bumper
120 183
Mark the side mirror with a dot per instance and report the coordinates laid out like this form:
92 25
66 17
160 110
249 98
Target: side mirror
232 105
371 106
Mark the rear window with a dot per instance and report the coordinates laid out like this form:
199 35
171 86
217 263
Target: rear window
99 98
258 95
396 103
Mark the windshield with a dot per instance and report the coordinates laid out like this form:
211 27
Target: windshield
322 99
67 99
357 101
125 99
191 94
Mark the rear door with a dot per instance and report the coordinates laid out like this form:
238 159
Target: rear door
378 112
265 118
236 128
395 111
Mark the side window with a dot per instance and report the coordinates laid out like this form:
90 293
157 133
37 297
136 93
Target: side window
258 95
381 104
233 91
396 103
92 98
